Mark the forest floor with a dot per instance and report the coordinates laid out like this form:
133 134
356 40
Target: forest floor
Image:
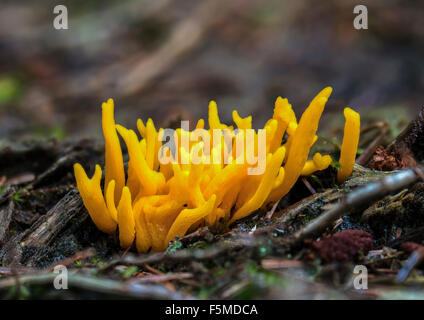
282 253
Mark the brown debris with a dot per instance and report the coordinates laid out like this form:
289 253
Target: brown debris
5 219
44 231
412 138
383 126
357 198
343 246
405 151
389 161
409 247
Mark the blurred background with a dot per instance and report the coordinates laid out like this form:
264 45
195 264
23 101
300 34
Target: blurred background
166 59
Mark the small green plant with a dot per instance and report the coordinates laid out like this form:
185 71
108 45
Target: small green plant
17 197
128 272
174 246
78 263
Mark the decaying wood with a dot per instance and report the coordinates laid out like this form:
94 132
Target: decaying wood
274 234
5 219
369 151
405 151
411 139
47 227
316 204
18 156
182 255
294 210
44 230
357 199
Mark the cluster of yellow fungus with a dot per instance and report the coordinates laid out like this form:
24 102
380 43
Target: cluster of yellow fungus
157 200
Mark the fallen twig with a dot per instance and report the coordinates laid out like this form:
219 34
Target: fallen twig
414 260
99 285
157 272
78 256
359 197
414 235
5 271
162 277
180 256
278 263
271 212
369 151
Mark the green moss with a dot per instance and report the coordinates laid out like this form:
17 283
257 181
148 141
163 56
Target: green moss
336 164
161 267
332 142
207 291
78 263
174 247
200 244
58 132
10 90
219 272
127 273
17 197
23 293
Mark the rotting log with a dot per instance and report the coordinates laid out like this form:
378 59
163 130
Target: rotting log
43 231
358 196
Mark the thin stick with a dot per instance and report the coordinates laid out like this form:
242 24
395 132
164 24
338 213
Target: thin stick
90 252
180 256
100 285
413 261
271 212
361 196
369 151
163 277
308 185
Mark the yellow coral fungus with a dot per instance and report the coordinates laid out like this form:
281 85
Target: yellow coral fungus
180 180
93 199
114 165
303 139
317 163
126 219
349 145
